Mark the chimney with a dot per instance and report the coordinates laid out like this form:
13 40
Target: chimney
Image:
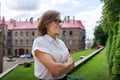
14 23
31 20
26 20
65 19
11 20
74 20
20 20
68 19
3 20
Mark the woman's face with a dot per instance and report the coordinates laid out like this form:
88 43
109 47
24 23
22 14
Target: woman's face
54 27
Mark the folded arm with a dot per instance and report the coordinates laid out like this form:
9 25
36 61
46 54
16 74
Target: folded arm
52 65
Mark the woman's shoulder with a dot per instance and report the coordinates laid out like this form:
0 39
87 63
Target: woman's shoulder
39 39
61 41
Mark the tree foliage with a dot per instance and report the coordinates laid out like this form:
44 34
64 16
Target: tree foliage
111 26
100 36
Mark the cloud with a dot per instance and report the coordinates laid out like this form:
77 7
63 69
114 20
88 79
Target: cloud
25 5
19 9
54 2
89 19
24 9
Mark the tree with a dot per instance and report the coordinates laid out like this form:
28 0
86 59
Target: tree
100 36
111 26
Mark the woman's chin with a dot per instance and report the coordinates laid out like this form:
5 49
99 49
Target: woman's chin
57 34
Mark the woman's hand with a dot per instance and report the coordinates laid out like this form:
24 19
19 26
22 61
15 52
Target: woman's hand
70 62
70 59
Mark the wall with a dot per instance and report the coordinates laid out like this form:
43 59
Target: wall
3 39
22 41
73 38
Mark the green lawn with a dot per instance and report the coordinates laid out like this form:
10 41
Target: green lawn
21 73
76 56
95 69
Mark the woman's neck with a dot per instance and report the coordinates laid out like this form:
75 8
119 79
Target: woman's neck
52 36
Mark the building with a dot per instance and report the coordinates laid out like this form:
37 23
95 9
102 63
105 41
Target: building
1 51
22 33
88 43
3 40
73 34
21 36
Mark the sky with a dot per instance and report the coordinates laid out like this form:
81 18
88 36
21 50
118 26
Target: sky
88 11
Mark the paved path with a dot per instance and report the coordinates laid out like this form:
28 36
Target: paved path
7 65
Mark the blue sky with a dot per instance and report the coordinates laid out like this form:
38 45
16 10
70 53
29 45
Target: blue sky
88 11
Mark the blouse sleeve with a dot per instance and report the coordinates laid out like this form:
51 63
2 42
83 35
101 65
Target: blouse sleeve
38 45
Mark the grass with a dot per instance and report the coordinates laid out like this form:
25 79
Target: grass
95 69
21 73
76 56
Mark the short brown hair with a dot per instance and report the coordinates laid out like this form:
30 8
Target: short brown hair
46 18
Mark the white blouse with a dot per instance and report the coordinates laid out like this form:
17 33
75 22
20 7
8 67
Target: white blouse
56 48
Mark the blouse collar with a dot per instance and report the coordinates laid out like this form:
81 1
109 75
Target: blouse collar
49 38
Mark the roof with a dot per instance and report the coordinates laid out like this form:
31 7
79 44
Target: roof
21 25
33 25
73 24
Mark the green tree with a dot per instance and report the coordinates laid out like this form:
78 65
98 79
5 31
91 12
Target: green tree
100 36
111 26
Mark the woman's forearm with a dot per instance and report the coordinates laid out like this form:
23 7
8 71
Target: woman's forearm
63 68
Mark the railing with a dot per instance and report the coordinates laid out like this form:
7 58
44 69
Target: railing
82 61
7 71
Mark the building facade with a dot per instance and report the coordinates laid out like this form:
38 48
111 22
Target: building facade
22 41
3 38
22 34
3 47
73 34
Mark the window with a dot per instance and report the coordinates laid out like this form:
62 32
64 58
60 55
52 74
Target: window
27 33
32 41
9 33
33 33
26 51
70 42
70 33
64 33
21 42
16 33
26 41
21 33
16 42
4 37
15 51
9 42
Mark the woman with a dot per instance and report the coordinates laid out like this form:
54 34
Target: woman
52 58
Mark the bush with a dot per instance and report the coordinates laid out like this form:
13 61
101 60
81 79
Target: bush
10 57
10 60
27 64
71 77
